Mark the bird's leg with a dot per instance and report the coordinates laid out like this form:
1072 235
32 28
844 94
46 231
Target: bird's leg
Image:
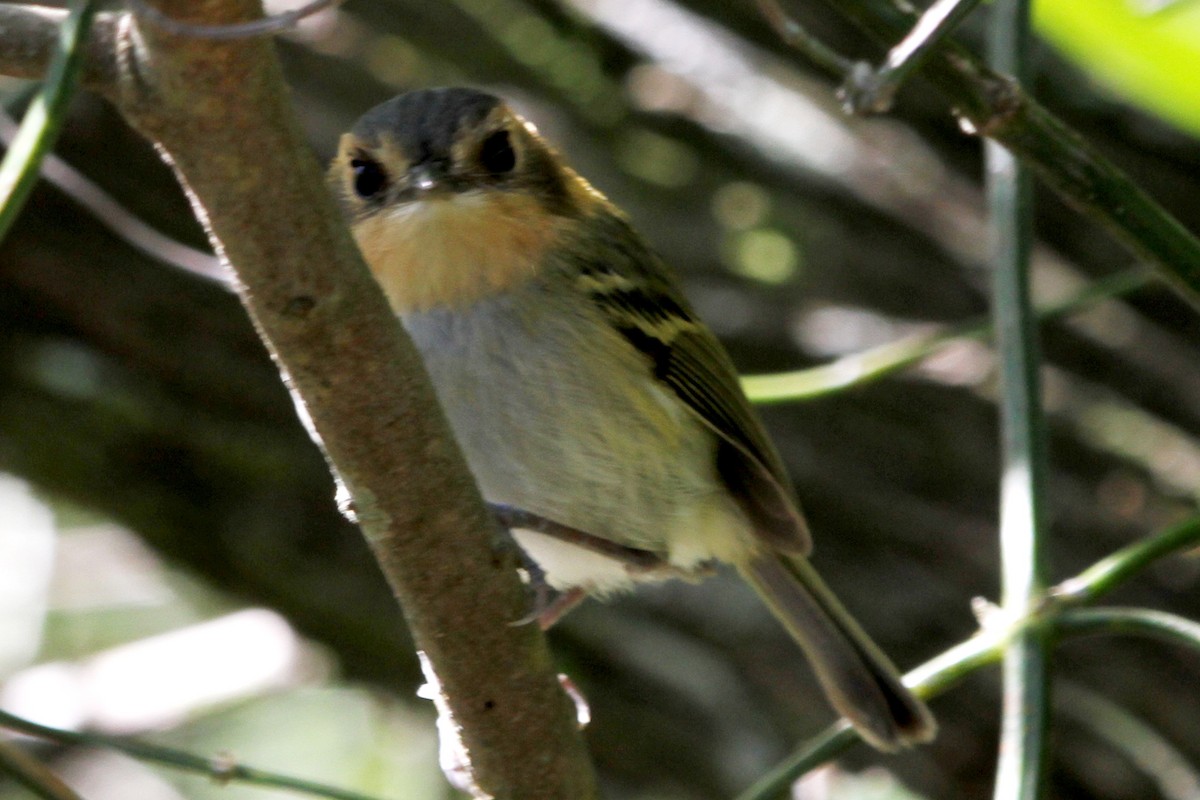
545 596
550 605
558 607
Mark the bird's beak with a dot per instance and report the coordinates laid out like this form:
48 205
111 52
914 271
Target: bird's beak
422 179
428 180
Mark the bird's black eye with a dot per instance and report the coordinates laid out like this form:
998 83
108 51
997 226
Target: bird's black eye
496 154
369 177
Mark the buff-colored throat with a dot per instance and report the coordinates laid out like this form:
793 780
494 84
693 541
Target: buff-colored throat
452 251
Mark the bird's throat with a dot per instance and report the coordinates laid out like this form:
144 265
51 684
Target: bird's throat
454 250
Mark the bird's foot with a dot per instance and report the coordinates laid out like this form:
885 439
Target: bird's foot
549 604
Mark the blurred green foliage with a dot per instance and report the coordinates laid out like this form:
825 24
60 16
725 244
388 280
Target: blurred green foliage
1148 52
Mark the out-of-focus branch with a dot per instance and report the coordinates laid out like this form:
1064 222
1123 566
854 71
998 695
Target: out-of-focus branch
1126 733
120 220
995 106
29 34
223 770
44 118
32 774
220 112
867 366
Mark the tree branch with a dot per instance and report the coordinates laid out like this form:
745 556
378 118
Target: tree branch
219 110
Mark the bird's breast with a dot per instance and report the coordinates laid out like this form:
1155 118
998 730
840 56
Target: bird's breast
557 416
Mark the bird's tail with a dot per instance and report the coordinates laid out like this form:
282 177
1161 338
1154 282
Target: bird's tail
857 677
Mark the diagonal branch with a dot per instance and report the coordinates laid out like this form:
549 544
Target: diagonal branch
219 769
32 774
995 106
220 113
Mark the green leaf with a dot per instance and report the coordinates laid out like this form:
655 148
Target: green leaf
1148 57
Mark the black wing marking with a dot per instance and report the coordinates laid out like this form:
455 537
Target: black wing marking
647 309
701 374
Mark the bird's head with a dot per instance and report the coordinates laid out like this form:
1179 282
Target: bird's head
452 196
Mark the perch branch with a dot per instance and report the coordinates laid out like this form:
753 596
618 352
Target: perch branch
219 112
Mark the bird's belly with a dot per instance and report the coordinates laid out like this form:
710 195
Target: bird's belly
581 438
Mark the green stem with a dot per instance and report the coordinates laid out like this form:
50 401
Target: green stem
216 768
1171 628
871 365
32 774
1026 667
1105 575
43 119
986 647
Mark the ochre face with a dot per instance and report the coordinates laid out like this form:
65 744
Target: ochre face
452 197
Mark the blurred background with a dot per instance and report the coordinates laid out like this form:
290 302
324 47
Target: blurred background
172 564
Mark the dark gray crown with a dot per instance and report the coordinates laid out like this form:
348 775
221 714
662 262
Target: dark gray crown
424 123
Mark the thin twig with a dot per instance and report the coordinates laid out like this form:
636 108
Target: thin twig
222 769
1100 578
794 34
873 90
1170 628
860 369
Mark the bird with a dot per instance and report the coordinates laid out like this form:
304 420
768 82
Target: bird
600 417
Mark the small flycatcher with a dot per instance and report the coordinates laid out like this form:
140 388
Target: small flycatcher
594 408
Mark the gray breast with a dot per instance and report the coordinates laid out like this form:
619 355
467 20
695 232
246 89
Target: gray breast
557 415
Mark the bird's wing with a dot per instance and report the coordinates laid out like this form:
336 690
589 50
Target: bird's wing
640 300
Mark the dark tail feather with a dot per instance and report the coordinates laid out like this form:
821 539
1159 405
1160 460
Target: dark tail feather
859 680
